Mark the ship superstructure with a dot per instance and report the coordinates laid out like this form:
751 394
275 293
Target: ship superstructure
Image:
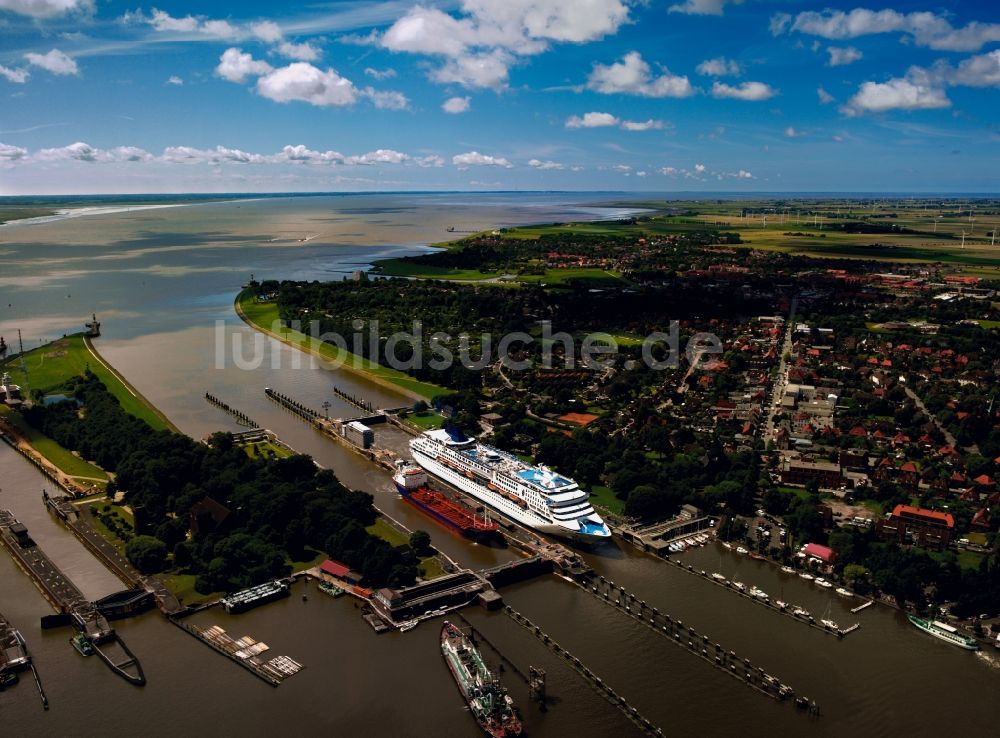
534 496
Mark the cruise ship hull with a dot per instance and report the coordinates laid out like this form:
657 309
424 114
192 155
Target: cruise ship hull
499 502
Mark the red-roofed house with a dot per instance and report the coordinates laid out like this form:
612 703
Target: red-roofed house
816 551
340 571
916 525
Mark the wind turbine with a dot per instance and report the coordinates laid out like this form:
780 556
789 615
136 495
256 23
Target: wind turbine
963 239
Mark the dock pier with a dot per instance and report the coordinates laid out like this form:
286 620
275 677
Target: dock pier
599 685
698 644
241 417
244 651
727 585
863 606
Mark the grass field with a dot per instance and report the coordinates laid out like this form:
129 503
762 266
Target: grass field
52 365
265 317
600 495
182 585
69 464
425 421
387 533
266 450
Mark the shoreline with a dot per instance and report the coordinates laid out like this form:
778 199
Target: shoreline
307 347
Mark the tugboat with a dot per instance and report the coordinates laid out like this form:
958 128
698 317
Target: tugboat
487 699
331 589
81 644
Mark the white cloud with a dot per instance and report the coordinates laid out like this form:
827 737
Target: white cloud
840 57
642 125
267 31
428 161
386 99
792 133
475 159
699 168
218 155
456 105
129 153
8 152
544 165
303 82
924 27
476 71
78 151
483 41
46 8
173 79
896 94
162 21
381 156
17 76
750 91
236 66
301 154
702 7
380 74
592 120
720 66
976 71
633 76
300 52
54 61
825 98
742 174
623 168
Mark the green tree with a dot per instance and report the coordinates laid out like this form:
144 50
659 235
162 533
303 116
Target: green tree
148 554
420 541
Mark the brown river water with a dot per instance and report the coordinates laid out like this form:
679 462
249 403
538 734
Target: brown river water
159 280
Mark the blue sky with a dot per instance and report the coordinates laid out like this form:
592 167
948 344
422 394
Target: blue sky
657 95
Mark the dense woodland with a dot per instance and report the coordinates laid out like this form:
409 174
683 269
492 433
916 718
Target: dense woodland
268 512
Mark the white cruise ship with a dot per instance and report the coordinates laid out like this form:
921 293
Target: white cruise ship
534 496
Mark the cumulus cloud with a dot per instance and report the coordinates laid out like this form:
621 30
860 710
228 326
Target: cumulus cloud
428 161
386 99
54 61
129 153
456 105
9 152
303 82
896 94
268 31
702 7
750 91
236 66
976 71
633 76
481 43
489 70
475 159
924 27
300 52
544 165
17 76
173 79
699 168
381 156
78 151
592 120
840 57
792 133
300 154
720 66
218 155
46 8
380 74
825 98
642 125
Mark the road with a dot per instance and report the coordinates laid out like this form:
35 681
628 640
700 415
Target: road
782 377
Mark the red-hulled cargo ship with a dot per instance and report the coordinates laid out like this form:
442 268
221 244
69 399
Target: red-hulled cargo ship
411 481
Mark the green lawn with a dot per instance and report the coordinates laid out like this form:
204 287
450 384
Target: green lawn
426 421
65 460
318 558
265 317
388 533
430 568
970 560
600 495
406 268
52 365
182 585
266 449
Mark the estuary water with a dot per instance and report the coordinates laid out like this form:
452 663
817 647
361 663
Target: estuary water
161 280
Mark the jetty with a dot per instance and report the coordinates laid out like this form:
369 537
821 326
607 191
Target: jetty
241 417
863 606
694 642
15 658
68 601
245 651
